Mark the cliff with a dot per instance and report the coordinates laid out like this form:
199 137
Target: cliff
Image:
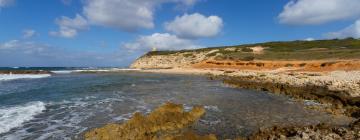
311 55
167 61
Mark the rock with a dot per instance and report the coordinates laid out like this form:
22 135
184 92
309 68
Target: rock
24 72
153 60
168 122
321 131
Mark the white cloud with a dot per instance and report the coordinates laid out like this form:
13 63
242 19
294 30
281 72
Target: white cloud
128 15
309 39
189 2
124 14
68 27
351 31
25 47
160 41
10 44
4 3
28 33
195 26
301 12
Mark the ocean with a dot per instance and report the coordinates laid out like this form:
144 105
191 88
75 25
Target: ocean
69 102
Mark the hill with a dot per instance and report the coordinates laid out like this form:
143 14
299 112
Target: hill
318 50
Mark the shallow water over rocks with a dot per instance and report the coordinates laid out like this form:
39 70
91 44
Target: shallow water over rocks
75 103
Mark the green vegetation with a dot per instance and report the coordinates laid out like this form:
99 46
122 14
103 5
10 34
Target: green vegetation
293 50
247 49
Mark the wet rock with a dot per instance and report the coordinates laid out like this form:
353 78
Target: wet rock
168 122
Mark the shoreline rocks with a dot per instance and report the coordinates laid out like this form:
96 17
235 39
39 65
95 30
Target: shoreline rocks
320 131
168 122
24 72
339 90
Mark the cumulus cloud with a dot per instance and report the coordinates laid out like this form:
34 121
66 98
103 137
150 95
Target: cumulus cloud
195 26
68 27
128 15
124 14
160 41
4 3
28 33
351 31
301 12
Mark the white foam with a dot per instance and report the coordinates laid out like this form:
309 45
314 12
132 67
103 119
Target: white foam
6 77
212 108
106 70
12 117
62 71
128 69
92 70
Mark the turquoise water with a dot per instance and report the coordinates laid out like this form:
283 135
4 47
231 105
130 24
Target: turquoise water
64 106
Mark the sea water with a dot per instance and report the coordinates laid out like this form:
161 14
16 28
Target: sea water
67 104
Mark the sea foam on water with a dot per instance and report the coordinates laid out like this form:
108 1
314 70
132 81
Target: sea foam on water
11 117
7 77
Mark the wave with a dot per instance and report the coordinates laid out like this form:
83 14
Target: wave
62 71
12 117
92 70
6 77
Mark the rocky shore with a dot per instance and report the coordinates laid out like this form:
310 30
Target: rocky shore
327 77
24 72
313 132
338 89
338 92
168 122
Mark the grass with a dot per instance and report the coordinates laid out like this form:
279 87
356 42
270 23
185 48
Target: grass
292 50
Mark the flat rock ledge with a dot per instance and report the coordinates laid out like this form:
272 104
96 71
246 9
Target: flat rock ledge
339 90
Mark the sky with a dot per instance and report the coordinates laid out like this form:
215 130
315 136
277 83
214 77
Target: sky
114 33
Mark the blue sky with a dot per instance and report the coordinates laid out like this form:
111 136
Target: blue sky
115 32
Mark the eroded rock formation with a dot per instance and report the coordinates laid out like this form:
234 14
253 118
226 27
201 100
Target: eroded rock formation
176 60
168 122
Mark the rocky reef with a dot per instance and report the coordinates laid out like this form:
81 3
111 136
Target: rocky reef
314 132
168 122
342 97
24 72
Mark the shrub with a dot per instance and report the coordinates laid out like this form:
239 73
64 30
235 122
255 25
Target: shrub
248 58
247 50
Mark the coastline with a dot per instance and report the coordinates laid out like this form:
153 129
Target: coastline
338 92
339 88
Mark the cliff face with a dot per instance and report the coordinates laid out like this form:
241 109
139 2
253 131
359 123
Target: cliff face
176 60
325 51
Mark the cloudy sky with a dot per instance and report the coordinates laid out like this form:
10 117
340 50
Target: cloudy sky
115 32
